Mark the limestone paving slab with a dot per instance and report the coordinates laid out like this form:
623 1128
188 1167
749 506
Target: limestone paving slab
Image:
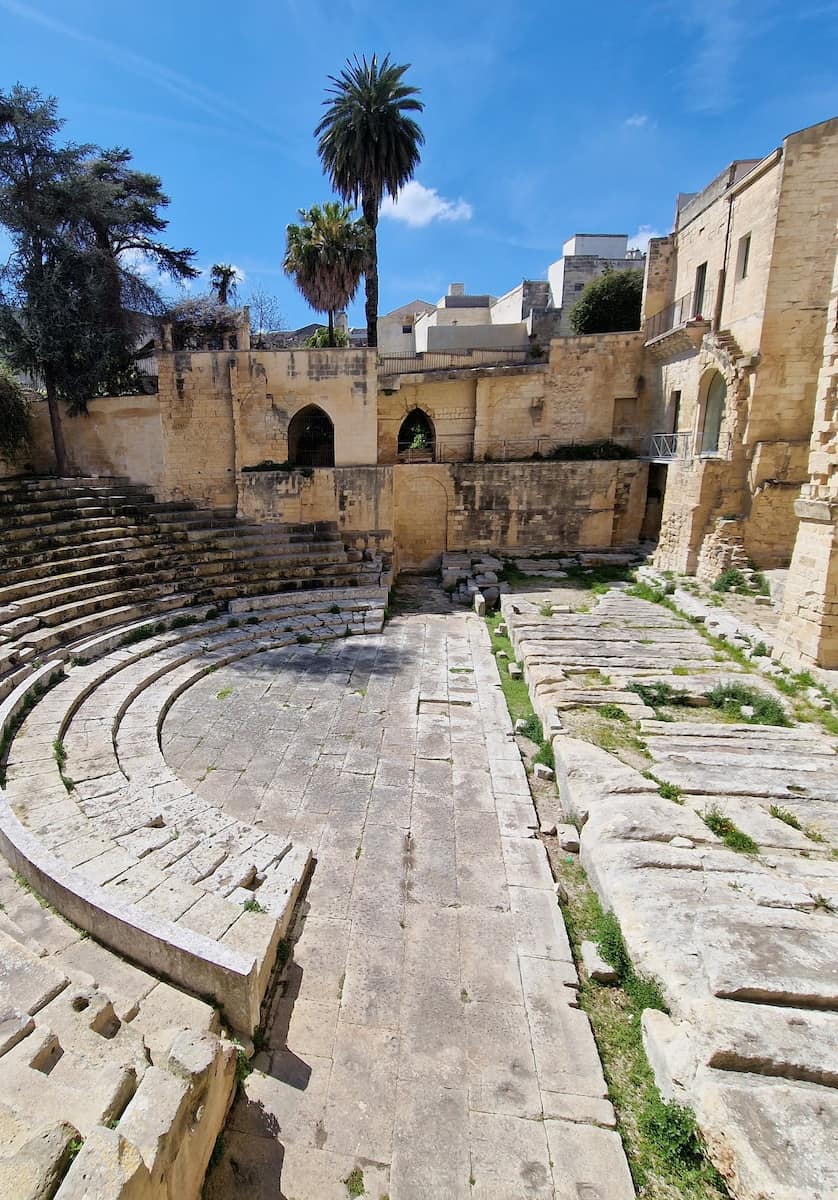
744 945
404 1016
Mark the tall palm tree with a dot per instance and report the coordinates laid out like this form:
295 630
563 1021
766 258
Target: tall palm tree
224 281
326 255
368 146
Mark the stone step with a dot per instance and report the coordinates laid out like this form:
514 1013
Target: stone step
39 602
57 639
70 561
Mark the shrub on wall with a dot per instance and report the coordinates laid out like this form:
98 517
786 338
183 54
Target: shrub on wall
610 304
14 417
588 451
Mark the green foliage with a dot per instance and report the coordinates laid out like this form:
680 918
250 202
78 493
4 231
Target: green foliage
244 1067
182 622
59 753
732 836
253 905
784 815
355 1183
546 755
590 451
609 304
320 339
613 712
760 650
233 623
137 635
658 694
210 614
729 697
71 212
224 278
532 730
15 431
368 143
730 580
303 639
645 591
672 1129
325 255
609 938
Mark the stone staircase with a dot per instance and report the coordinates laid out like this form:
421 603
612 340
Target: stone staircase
139 923
83 555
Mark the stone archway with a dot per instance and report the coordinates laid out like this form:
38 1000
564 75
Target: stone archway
713 398
311 438
420 522
417 438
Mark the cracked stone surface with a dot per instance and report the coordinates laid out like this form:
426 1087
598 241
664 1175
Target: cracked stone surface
427 1031
745 946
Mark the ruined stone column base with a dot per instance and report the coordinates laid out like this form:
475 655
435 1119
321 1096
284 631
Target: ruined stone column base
807 634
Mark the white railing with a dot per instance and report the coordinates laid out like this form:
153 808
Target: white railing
670 445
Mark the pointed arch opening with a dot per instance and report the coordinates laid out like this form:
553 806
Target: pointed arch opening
713 410
417 438
311 438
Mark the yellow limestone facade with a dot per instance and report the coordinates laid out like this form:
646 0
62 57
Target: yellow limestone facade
725 402
808 630
735 312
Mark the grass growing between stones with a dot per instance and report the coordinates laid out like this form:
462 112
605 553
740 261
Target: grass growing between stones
515 690
662 1142
732 836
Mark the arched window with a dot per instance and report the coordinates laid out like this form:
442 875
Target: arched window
714 411
311 438
416 437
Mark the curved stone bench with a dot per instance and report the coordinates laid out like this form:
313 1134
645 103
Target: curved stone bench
126 819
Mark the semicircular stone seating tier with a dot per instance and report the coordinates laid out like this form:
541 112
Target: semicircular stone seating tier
95 819
109 608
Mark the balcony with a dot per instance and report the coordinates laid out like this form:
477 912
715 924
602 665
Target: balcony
674 447
676 328
666 447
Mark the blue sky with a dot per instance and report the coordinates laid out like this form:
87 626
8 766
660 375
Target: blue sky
542 119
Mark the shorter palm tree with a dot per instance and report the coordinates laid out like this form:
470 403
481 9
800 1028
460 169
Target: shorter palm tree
224 280
325 255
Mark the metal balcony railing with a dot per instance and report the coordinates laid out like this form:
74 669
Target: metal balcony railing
672 317
670 445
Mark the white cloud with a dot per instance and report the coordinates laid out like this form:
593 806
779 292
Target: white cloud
417 206
637 120
640 240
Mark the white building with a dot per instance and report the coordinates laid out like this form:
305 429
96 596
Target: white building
586 256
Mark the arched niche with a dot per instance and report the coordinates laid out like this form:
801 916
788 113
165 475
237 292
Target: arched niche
417 438
714 393
311 438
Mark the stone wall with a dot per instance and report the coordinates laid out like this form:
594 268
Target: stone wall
450 404
573 400
808 629
418 511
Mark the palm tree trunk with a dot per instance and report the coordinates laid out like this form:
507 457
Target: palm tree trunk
370 211
331 327
57 431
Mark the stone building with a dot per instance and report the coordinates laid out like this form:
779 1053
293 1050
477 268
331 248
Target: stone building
734 310
585 257
723 406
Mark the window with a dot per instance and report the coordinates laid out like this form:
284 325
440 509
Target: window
715 394
676 410
698 290
742 256
407 329
311 438
579 287
416 440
